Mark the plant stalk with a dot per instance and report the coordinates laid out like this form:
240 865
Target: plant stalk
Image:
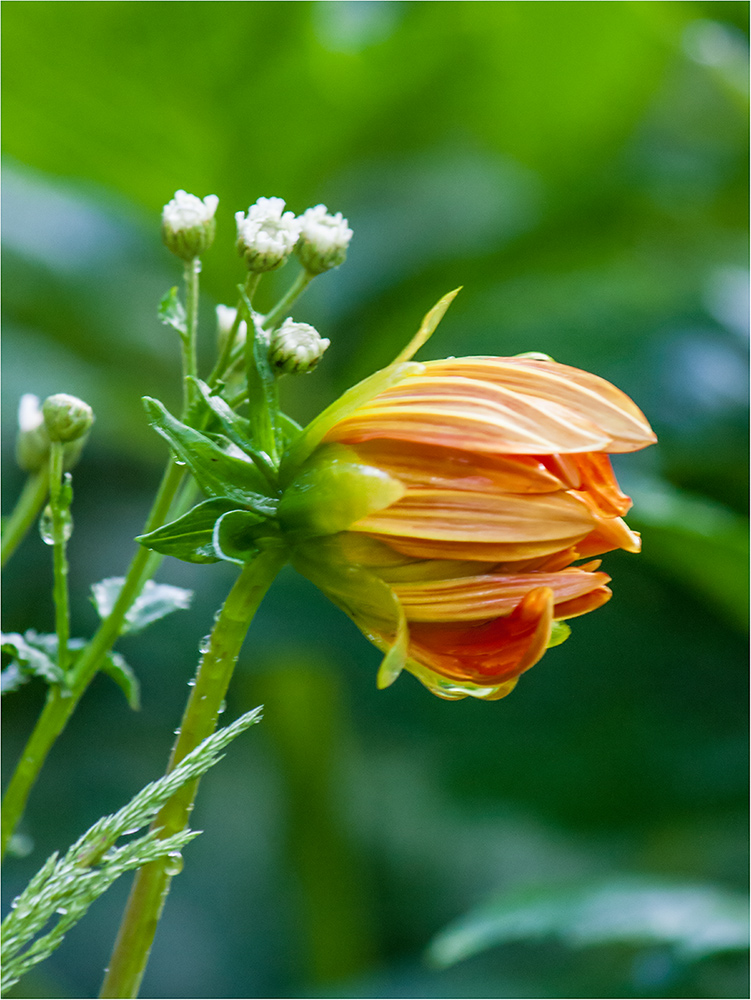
189 341
152 883
59 508
295 290
25 512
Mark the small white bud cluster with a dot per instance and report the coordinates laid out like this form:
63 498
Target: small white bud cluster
267 235
188 224
296 348
324 239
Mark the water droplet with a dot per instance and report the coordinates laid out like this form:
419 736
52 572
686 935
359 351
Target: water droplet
174 863
178 462
222 708
177 731
191 683
46 529
204 644
62 910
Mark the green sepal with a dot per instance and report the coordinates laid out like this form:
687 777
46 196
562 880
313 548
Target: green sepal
237 533
154 602
115 667
216 472
33 655
172 312
332 490
559 633
190 537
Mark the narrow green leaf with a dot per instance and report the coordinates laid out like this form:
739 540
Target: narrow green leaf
190 537
123 675
695 920
154 602
172 312
216 472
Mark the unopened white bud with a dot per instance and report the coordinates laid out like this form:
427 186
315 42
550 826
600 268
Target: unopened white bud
267 236
225 320
324 239
33 441
66 417
296 348
188 224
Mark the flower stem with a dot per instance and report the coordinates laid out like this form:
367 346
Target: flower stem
60 704
59 506
225 356
25 512
295 290
151 885
189 341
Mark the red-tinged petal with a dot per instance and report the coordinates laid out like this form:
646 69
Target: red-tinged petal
585 395
584 604
421 465
472 415
598 486
488 654
481 597
461 516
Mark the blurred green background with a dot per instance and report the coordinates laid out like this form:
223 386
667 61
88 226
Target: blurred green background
580 168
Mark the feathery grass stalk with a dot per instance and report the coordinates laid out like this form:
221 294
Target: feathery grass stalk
25 512
151 885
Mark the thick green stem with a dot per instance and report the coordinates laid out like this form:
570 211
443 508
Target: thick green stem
190 340
151 885
59 508
299 285
60 704
25 512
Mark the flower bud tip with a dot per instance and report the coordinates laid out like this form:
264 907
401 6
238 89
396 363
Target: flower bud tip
66 418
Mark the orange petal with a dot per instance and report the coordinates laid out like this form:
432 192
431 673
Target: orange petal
584 395
481 597
488 654
469 414
610 533
462 516
583 605
598 486
416 464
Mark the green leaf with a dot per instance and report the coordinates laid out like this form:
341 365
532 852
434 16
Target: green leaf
190 537
236 534
30 658
172 312
236 429
123 675
559 633
154 602
695 920
216 472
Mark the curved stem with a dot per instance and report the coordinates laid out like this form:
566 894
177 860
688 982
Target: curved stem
225 356
60 705
151 885
25 512
299 285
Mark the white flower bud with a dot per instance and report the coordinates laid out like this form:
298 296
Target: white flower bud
32 443
225 320
324 239
66 417
188 224
267 236
296 347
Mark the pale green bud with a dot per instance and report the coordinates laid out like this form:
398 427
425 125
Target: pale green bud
188 224
66 418
324 239
296 348
267 236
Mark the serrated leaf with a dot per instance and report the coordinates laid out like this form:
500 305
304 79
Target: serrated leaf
216 472
172 312
28 659
696 920
236 535
123 675
154 602
190 537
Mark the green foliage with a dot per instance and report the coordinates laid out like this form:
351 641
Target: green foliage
154 602
64 888
694 920
31 657
171 312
